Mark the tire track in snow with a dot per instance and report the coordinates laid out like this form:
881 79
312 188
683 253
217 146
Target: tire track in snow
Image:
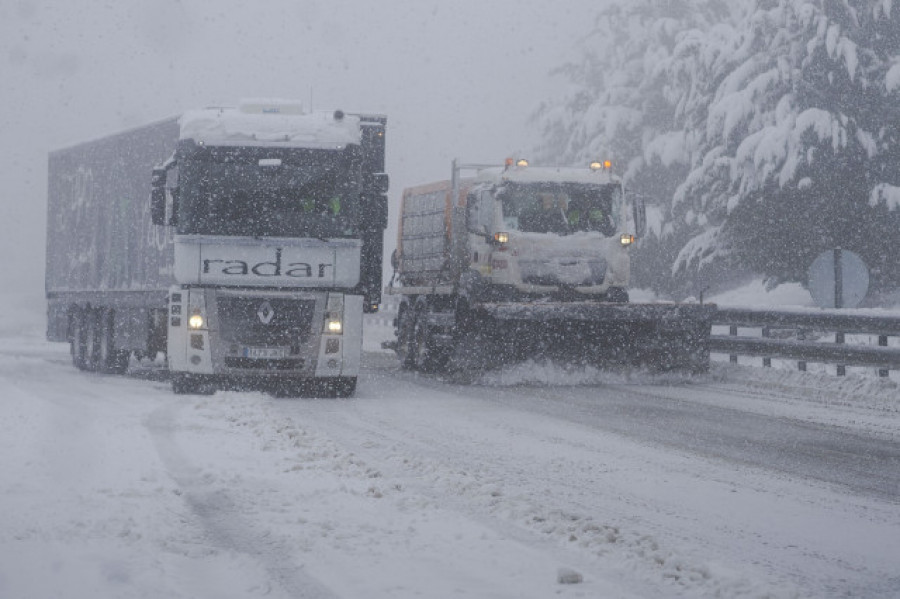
216 510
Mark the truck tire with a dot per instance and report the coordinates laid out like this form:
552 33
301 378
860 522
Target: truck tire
188 384
346 386
112 360
342 387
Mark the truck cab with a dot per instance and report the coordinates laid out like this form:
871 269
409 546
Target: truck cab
274 218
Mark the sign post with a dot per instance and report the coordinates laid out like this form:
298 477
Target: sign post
838 279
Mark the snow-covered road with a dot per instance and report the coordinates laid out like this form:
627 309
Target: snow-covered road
741 483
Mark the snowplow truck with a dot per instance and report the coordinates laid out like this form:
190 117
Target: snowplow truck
243 243
520 262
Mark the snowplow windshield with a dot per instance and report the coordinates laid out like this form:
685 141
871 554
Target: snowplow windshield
561 207
265 192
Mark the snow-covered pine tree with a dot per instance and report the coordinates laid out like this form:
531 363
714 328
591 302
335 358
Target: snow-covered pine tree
797 143
766 133
632 97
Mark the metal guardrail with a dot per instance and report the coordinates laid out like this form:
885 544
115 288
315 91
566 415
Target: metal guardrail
797 335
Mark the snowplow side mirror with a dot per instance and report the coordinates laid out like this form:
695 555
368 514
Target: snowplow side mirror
640 217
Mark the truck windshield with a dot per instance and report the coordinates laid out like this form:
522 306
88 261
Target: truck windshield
561 207
264 192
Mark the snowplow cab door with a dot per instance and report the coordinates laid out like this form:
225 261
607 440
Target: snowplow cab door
480 213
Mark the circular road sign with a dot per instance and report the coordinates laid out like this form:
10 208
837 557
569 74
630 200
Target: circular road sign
838 279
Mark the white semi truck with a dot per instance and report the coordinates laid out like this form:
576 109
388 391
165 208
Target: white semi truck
519 262
245 243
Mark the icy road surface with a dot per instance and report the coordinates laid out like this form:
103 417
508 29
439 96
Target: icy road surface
742 483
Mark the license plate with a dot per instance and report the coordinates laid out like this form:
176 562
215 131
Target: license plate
265 353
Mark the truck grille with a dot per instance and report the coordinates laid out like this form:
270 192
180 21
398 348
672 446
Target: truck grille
265 322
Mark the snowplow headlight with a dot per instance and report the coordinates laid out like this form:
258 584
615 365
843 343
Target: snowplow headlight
195 321
626 240
333 324
501 237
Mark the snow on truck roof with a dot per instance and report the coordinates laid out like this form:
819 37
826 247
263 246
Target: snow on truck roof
275 122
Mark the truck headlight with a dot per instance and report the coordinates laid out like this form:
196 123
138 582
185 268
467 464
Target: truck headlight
334 314
626 239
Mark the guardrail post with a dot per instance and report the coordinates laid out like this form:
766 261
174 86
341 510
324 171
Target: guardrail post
732 330
767 362
882 342
839 339
801 336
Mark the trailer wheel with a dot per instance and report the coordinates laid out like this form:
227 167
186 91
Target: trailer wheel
78 339
112 360
92 340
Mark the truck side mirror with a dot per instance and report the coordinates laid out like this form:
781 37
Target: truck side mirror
158 205
377 183
374 212
158 196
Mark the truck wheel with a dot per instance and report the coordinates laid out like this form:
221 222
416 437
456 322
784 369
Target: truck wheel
188 384
345 386
112 360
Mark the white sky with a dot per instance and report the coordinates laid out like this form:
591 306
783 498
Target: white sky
455 78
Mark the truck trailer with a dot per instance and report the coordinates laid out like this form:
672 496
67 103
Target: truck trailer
244 243
520 262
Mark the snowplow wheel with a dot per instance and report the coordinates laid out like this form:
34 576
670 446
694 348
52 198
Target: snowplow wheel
617 295
427 356
405 328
